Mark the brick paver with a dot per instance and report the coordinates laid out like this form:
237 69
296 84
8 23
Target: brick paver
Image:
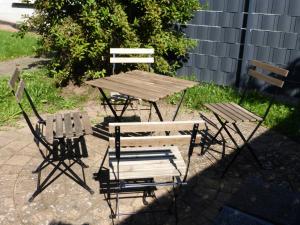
65 202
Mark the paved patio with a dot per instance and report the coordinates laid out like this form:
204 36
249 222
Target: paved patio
65 202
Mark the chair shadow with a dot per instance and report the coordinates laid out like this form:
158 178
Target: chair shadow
100 130
54 222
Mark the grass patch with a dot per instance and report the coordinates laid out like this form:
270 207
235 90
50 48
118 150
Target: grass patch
12 46
282 117
45 95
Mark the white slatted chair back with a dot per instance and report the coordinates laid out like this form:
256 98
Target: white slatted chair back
131 55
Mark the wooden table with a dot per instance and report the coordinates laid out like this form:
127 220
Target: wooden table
143 85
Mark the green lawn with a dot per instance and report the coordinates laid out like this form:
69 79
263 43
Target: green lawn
45 95
282 117
12 46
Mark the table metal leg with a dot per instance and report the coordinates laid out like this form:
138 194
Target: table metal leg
157 111
180 102
126 104
109 105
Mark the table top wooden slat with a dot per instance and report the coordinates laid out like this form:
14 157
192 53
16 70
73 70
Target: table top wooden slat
165 85
123 89
145 85
175 80
160 92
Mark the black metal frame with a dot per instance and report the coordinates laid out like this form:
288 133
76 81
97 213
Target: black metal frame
55 153
176 181
225 126
128 99
128 102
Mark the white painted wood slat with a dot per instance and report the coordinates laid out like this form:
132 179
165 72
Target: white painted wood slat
131 60
148 51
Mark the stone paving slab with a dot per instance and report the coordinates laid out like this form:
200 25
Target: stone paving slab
64 202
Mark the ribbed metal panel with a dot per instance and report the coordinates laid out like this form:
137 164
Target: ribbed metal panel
272 35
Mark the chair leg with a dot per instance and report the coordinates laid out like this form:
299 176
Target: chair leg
175 204
247 144
117 214
238 151
204 149
81 163
76 178
41 166
46 182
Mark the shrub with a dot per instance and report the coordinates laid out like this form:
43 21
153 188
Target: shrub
79 33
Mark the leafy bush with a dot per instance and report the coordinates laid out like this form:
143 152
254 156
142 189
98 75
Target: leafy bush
79 33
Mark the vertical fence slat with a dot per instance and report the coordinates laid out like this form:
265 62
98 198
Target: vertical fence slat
271 34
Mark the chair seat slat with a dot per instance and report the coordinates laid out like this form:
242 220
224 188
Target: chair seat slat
86 123
162 166
230 112
240 113
77 124
49 128
140 175
59 126
145 166
68 125
255 117
214 108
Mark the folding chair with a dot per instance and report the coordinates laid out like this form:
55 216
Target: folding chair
149 161
229 115
133 56
63 140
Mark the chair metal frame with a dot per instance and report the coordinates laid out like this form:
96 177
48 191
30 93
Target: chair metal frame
254 64
120 99
116 143
50 156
